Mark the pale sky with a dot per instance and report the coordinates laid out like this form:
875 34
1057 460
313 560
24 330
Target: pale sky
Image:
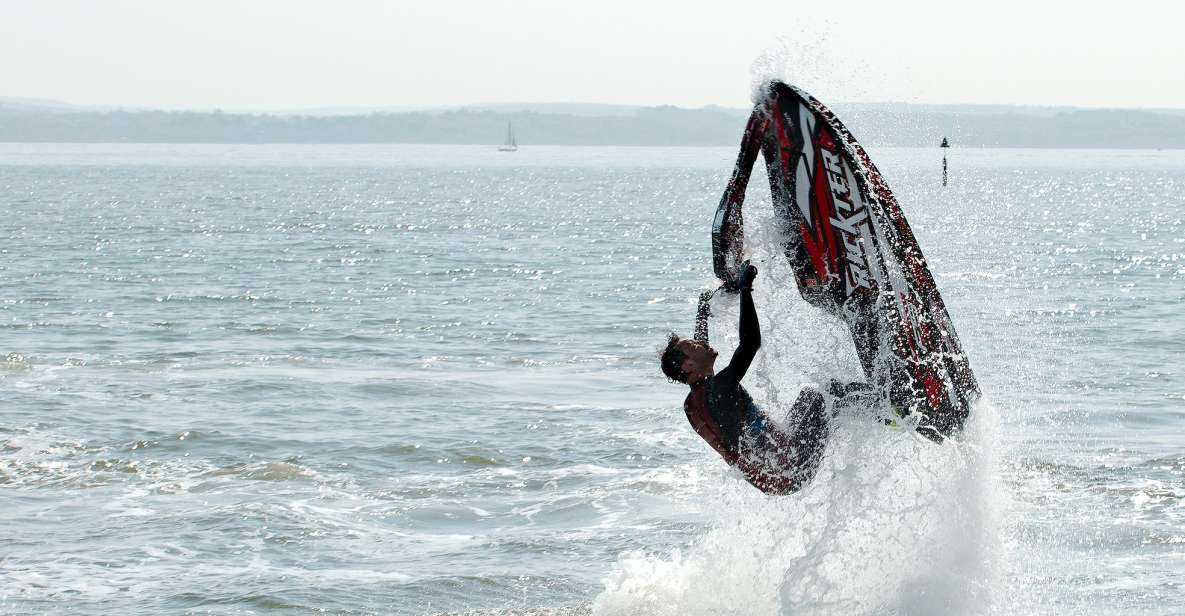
293 54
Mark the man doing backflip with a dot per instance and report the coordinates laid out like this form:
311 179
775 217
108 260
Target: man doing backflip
775 460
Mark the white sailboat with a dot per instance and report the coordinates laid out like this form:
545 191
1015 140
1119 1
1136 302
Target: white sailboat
510 145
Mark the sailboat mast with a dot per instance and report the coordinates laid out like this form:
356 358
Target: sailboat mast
510 145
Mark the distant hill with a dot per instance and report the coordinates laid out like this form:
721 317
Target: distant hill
892 124
588 110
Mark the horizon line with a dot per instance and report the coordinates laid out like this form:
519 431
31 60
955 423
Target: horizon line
329 110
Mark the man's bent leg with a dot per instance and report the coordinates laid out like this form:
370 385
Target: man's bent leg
782 461
809 437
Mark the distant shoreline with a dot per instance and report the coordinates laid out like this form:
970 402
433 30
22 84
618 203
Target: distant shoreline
494 147
896 124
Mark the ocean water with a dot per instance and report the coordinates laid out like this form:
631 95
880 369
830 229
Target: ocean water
422 380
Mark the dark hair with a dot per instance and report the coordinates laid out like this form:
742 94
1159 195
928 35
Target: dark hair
672 360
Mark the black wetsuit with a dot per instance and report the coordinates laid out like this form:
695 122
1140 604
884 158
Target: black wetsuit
728 403
773 459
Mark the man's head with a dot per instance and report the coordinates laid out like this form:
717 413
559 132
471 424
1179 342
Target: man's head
688 361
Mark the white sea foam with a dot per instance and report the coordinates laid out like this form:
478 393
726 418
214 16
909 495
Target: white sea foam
892 524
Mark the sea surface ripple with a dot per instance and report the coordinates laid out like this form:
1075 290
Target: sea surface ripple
422 379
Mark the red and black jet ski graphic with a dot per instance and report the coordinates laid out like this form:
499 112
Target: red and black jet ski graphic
853 255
